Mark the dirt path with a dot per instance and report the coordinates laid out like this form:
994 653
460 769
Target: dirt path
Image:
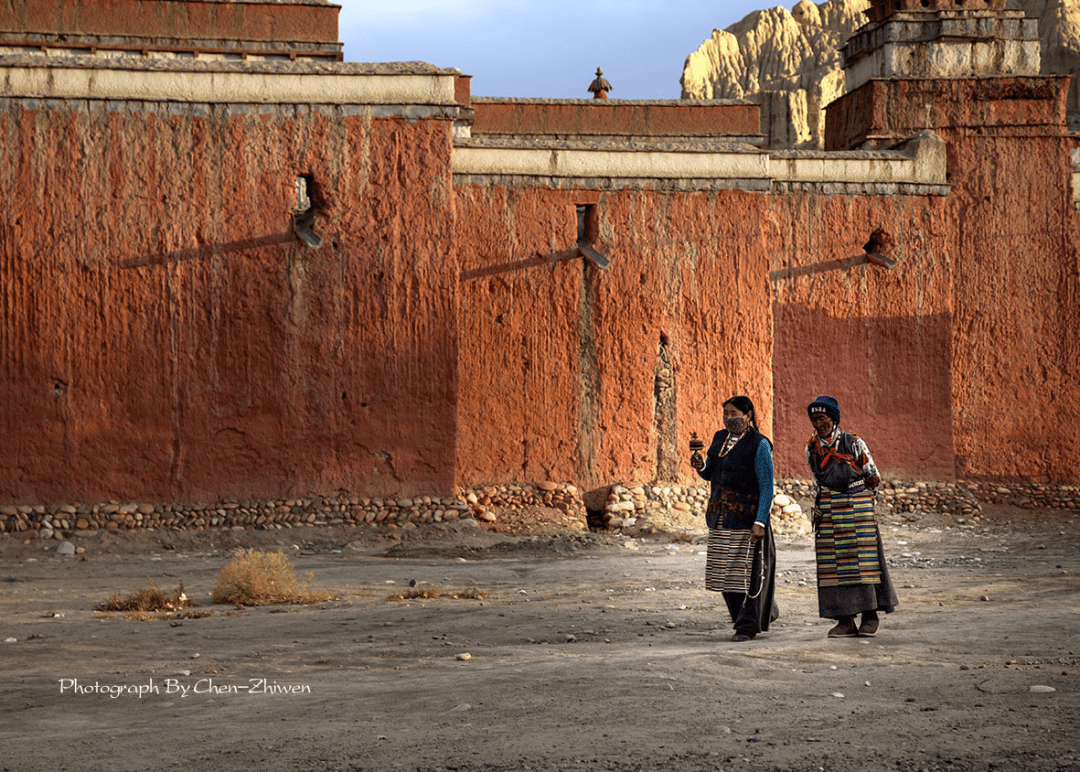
588 652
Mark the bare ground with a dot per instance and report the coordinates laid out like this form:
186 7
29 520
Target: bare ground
589 651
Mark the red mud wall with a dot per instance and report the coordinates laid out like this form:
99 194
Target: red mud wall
1016 337
164 336
1011 238
564 375
959 362
202 21
615 118
878 340
699 270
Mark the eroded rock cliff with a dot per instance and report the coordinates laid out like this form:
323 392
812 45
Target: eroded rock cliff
789 61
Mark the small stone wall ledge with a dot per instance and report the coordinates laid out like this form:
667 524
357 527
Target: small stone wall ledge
920 160
24 78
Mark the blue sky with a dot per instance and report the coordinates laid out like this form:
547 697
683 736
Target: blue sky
542 48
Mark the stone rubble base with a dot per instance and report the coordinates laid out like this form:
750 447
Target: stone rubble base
61 520
636 508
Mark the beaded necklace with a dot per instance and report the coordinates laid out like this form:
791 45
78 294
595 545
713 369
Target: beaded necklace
730 443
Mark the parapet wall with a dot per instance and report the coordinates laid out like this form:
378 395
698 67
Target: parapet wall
883 112
411 91
944 43
596 119
164 28
915 166
882 9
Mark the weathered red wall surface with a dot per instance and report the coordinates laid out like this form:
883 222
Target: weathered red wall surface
959 362
942 364
613 118
188 20
764 295
560 360
890 110
1010 237
878 340
1016 382
696 269
163 334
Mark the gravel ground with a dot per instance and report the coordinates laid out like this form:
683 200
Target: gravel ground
587 651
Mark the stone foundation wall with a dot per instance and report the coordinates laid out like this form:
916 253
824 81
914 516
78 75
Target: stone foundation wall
59 521
637 508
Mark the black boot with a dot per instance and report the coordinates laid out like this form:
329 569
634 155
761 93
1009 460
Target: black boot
868 628
845 628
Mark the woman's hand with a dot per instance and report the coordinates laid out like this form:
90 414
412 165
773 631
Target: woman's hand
757 532
697 461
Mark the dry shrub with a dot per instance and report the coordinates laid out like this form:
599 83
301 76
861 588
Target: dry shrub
425 593
147 599
254 578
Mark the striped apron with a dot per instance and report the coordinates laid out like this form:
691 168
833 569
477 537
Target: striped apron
846 543
728 560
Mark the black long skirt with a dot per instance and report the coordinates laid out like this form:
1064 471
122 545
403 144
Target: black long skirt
851 600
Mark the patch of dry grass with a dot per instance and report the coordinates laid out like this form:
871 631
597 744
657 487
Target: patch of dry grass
427 593
254 578
147 599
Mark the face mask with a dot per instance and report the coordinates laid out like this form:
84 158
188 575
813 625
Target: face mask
736 425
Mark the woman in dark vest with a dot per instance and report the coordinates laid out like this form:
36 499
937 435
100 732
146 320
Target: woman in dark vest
852 575
741 560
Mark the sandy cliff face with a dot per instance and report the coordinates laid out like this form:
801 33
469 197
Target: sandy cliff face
787 61
1059 33
790 63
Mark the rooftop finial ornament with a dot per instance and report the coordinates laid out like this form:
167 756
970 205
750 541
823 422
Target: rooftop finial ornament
599 87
